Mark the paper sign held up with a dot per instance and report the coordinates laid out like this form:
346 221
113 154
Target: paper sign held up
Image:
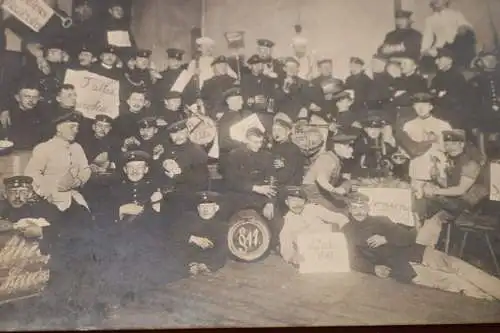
323 253
395 203
119 38
96 94
34 13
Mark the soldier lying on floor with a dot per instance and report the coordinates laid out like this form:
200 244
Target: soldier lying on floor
377 245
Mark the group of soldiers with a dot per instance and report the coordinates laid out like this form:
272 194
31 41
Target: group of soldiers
144 166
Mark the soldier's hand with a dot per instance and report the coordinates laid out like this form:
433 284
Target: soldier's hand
268 211
160 122
399 93
357 124
339 191
219 115
131 141
382 271
202 242
5 118
267 190
314 107
376 241
130 209
158 151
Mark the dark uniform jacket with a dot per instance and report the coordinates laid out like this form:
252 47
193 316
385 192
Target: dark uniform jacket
112 24
214 229
368 156
256 85
276 66
212 93
245 169
486 99
27 127
111 73
361 84
289 163
139 193
93 146
164 85
35 209
397 254
169 116
411 39
291 102
414 84
136 78
452 105
126 124
192 161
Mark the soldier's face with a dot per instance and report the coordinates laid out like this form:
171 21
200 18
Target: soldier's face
402 22
359 211
423 109
343 150
372 132
136 102
326 69
108 59
257 68
291 68
173 63
67 98
85 58
28 98
235 102
206 49
280 133
408 66
207 210
136 170
344 104
394 70
355 68
454 148
264 52
173 104
254 143
295 204
19 196
220 69
68 131
179 137
142 63
54 55
117 12
489 62
444 63
438 5
101 129
147 133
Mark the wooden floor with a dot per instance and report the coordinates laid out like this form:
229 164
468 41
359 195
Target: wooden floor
271 293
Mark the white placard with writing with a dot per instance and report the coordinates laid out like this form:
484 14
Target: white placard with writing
96 94
34 13
323 253
495 181
119 38
395 203
239 130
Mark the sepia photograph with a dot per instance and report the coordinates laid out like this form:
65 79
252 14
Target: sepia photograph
177 164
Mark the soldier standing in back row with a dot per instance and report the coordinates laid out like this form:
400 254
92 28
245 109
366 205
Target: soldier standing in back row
170 75
256 88
403 40
273 68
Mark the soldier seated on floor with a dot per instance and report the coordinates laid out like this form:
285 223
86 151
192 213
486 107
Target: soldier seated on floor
304 217
378 246
24 209
204 235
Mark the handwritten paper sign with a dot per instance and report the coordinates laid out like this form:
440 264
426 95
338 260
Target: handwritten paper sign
34 13
495 181
395 203
24 271
119 38
239 130
323 253
96 94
